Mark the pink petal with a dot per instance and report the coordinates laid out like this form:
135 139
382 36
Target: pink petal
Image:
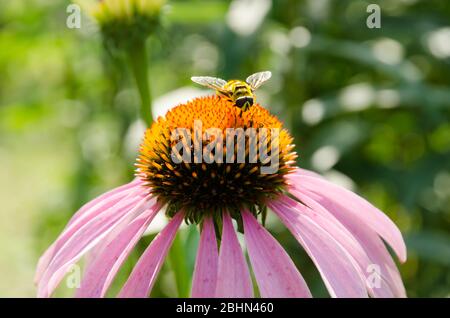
205 273
86 213
371 242
342 235
233 279
144 274
86 238
274 270
43 262
304 172
337 268
356 207
105 197
102 269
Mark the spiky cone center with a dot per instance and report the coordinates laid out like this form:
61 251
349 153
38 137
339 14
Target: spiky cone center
200 187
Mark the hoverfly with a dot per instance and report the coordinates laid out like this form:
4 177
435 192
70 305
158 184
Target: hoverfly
236 91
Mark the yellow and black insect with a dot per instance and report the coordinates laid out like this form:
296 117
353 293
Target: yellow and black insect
239 92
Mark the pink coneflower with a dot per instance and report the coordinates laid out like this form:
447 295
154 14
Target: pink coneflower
342 233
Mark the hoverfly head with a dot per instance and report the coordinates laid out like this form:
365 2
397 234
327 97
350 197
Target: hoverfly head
244 102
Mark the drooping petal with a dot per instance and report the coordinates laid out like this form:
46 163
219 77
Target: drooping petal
144 274
90 210
371 242
85 238
43 262
338 270
103 266
205 273
274 270
233 279
356 207
334 227
101 200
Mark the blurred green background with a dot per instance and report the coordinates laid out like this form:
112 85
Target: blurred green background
369 109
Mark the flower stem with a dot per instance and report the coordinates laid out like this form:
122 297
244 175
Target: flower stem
137 57
177 257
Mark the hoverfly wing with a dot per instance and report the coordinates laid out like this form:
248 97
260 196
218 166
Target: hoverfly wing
257 79
208 81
